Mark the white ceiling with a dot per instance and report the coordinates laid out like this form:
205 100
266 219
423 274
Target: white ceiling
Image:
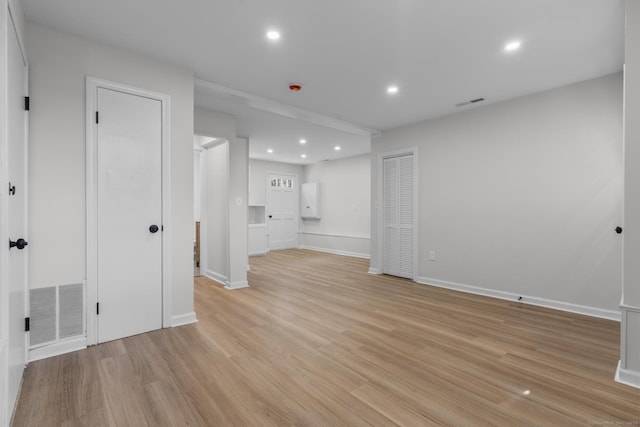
346 52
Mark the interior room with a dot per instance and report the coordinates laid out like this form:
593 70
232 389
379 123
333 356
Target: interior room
320 213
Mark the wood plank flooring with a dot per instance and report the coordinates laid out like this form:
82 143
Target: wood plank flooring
316 341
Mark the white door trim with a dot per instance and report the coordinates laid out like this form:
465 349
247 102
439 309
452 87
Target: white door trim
412 151
92 86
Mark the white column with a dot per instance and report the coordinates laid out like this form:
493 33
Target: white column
238 209
629 368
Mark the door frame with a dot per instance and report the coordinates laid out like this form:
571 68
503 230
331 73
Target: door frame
92 85
204 191
268 199
412 151
200 150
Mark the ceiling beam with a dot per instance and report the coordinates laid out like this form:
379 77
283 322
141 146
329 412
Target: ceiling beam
282 109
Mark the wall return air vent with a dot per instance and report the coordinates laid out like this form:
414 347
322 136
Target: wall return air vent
473 101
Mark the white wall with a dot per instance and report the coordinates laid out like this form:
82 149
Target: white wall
217 175
345 198
59 64
521 197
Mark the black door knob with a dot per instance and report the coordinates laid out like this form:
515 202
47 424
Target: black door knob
270 216
20 243
154 228
618 230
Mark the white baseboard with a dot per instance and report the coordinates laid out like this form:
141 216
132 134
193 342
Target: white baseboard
373 270
542 302
223 280
237 285
57 348
335 251
183 319
216 277
69 345
338 244
625 376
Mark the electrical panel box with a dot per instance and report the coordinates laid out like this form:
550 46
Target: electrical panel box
310 200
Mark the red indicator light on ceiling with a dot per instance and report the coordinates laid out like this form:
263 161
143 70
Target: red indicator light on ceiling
295 87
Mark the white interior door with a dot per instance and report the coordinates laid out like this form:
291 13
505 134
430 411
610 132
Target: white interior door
398 216
282 207
129 214
17 212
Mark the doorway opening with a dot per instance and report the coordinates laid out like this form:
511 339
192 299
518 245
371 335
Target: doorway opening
197 200
211 236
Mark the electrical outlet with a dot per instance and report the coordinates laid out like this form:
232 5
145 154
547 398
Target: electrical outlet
432 255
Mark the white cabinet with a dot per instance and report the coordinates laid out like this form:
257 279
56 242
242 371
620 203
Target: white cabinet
257 230
310 200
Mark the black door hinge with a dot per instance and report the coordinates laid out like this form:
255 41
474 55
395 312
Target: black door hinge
97 308
27 326
26 103
97 120
12 190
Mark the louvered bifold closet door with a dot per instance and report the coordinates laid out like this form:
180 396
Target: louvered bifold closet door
398 216
405 215
390 220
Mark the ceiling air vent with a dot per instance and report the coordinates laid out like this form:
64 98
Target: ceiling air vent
473 101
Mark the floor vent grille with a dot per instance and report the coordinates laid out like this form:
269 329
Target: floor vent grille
56 312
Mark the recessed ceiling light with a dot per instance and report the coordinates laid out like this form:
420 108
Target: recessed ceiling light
303 141
304 156
270 150
273 35
337 148
512 46
392 89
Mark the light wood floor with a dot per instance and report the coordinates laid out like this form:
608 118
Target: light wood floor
316 341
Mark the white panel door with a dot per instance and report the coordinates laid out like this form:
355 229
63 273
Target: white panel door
282 206
17 212
129 214
398 216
